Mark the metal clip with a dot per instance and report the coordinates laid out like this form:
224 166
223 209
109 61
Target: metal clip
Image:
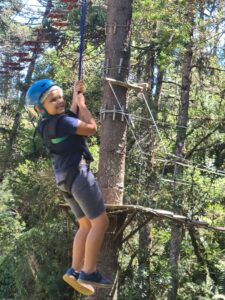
114 28
114 113
110 28
102 113
107 65
122 113
120 65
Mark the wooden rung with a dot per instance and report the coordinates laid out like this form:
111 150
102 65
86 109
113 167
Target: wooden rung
163 212
128 85
150 214
218 228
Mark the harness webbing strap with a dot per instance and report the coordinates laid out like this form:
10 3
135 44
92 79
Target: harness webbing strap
52 125
59 140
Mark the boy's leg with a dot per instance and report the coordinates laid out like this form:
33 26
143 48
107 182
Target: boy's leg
88 196
81 234
94 242
89 274
79 243
86 191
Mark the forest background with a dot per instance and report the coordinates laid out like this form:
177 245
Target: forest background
177 47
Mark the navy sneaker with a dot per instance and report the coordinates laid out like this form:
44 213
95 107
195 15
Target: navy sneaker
71 277
95 279
72 272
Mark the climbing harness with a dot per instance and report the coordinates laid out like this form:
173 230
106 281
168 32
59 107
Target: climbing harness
64 145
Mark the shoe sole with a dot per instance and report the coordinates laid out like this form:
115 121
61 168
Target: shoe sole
85 289
95 284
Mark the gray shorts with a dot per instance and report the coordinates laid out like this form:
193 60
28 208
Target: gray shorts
86 199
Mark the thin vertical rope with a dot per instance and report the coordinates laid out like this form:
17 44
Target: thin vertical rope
154 122
126 118
82 30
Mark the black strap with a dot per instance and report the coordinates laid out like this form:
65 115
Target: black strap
49 131
52 125
68 182
70 179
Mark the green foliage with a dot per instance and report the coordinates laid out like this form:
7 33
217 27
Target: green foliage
35 265
7 282
34 188
94 149
35 238
11 224
40 261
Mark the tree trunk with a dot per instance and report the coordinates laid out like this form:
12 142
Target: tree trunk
113 132
206 266
175 243
144 260
176 234
199 252
158 91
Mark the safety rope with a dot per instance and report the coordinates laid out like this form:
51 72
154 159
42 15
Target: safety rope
154 122
169 156
82 30
126 118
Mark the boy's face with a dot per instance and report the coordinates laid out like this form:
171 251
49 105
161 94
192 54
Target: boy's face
54 103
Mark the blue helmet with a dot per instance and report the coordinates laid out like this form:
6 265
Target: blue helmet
34 93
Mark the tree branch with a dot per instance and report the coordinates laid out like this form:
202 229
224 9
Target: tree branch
189 154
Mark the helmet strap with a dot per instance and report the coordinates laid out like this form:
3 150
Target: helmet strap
43 113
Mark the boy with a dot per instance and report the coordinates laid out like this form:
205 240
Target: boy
63 133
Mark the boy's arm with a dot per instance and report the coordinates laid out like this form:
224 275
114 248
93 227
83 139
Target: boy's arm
78 88
86 123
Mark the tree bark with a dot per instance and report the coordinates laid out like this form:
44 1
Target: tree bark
144 259
158 91
113 132
175 243
199 252
206 266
